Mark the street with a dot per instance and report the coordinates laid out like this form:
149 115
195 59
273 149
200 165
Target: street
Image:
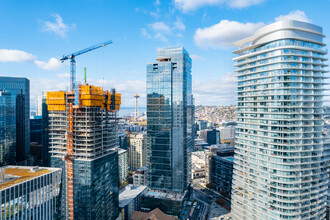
203 199
199 211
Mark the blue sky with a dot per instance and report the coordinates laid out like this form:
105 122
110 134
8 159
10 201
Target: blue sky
34 34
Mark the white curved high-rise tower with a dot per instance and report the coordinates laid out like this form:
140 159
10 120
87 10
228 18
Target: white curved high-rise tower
279 171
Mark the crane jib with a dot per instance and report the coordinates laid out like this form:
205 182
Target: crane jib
72 56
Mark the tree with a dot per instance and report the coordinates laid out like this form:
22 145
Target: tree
210 186
221 202
223 193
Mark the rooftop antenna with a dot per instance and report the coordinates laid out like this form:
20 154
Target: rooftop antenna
85 75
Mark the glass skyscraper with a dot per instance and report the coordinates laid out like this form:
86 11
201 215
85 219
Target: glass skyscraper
279 170
20 89
170 117
7 128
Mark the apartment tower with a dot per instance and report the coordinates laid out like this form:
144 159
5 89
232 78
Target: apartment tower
137 150
279 171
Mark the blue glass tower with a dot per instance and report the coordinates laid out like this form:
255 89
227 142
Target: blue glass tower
7 128
20 89
170 117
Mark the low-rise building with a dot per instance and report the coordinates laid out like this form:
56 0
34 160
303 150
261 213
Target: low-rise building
154 214
169 202
200 144
29 192
130 200
198 164
197 171
227 134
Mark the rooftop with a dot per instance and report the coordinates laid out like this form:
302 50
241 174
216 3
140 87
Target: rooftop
17 174
218 212
129 193
230 159
142 169
171 195
152 215
120 150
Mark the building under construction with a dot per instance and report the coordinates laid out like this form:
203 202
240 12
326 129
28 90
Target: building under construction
83 140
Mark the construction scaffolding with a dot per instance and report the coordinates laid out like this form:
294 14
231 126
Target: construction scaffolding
81 132
94 121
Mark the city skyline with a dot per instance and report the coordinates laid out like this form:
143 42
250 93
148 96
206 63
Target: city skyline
133 26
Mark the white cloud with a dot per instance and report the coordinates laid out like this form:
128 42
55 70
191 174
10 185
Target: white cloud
161 27
243 3
52 64
63 75
145 33
19 56
224 33
189 5
220 91
160 30
178 25
196 57
58 27
39 85
15 56
161 37
294 15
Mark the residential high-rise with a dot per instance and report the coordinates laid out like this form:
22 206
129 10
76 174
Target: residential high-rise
123 165
170 120
39 105
137 150
20 89
83 141
7 128
279 170
29 192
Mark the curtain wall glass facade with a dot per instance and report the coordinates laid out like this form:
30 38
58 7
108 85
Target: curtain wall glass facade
170 115
7 128
20 89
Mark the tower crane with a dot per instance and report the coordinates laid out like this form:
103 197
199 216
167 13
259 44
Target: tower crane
72 57
70 157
